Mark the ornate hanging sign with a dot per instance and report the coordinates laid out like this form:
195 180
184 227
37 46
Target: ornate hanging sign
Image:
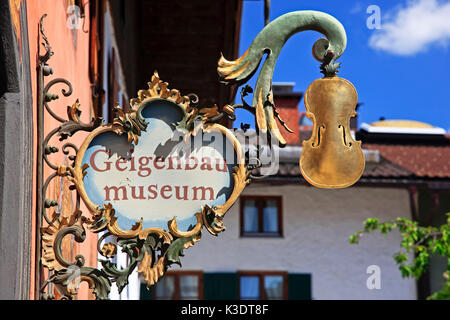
160 166
160 172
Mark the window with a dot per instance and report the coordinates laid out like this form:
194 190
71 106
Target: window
179 285
261 216
234 285
263 285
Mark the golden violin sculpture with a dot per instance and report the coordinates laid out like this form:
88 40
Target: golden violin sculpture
331 158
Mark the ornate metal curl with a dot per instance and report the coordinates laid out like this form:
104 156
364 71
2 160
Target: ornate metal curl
57 227
270 41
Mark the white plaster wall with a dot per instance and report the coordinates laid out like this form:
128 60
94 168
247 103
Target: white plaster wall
317 224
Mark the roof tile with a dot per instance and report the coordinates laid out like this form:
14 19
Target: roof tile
422 161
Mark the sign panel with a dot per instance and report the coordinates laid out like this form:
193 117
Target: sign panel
167 174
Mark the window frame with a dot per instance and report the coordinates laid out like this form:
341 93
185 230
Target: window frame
260 204
261 275
177 274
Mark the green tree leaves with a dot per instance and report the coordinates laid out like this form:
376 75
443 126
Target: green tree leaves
422 242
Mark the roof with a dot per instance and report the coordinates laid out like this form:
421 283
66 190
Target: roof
183 41
383 169
421 160
282 87
417 147
401 124
394 163
402 127
377 167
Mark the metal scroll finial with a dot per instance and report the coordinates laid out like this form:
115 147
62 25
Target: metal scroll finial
270 41
48 49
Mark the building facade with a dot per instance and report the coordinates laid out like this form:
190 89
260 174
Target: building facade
284 238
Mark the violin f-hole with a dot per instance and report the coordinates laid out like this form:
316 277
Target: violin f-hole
344 136
318 136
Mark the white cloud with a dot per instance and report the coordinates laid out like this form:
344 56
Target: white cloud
414 28
357 8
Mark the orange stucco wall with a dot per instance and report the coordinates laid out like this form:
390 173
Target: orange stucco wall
70 61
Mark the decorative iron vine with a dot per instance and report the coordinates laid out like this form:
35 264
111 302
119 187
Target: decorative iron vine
151 251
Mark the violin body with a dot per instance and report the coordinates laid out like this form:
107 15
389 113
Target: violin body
331 158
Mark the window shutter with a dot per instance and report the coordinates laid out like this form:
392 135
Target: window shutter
145 294
299 286
220 286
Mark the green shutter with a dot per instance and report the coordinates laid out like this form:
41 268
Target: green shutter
220 286
299 286
145 294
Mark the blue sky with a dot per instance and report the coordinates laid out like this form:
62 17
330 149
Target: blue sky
400 71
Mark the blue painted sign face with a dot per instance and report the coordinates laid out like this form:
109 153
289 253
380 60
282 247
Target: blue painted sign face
168 173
